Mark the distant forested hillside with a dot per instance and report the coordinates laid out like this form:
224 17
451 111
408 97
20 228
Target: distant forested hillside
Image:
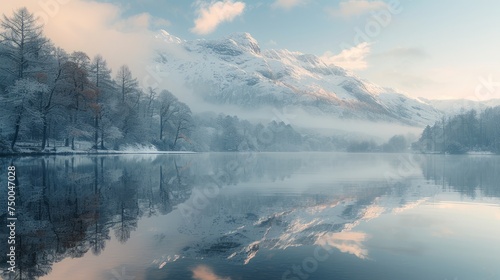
465 132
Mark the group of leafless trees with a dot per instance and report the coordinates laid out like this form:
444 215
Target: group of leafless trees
47 93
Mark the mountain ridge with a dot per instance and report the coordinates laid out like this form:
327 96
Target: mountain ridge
235 70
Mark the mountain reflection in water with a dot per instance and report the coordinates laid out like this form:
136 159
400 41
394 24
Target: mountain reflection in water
211 216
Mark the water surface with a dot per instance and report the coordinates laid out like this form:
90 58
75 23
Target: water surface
256 216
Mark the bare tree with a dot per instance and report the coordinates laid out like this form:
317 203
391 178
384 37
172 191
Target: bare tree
23 39
54 96
167 109
101 104
182 121
128 85
77 77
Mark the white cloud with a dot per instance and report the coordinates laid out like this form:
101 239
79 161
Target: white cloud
288 4
211 15
143 21
351 8
350 59
96 28
134 23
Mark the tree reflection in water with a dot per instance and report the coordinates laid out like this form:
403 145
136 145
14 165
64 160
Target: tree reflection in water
70 205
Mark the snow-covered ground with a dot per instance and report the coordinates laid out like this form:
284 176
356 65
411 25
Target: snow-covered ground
82 147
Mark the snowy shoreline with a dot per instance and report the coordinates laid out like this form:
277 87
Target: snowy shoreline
135 149
65 153
26 153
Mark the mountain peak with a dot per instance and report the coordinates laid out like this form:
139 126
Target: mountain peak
167 37
245 40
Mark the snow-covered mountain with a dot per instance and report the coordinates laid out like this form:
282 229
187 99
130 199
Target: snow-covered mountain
235 70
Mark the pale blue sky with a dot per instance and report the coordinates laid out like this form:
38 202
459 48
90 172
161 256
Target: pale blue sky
434 49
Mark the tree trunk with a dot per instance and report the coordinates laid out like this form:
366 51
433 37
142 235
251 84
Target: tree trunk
102 139
176 136
16 132
44 136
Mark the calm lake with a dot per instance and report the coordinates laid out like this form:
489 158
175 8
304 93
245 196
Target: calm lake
254 216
